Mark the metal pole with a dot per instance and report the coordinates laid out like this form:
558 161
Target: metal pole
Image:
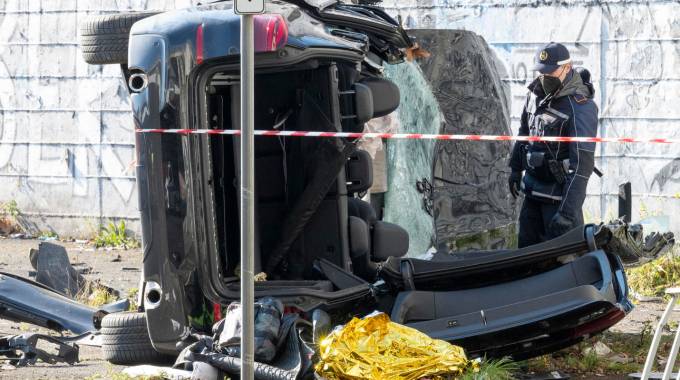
247 196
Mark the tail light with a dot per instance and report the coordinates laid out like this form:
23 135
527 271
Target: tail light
604 322
271 32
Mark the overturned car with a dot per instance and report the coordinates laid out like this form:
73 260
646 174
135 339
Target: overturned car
319 67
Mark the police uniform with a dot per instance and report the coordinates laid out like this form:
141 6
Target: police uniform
555 173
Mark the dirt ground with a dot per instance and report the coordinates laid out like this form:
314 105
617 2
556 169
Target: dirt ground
121 270
116 268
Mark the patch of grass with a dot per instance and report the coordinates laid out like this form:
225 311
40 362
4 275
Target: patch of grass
502 369
115 235
9 214
653 278
628 355
11 208
100 296
132 296
48 235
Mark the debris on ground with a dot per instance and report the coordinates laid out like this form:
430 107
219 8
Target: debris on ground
600 349
27 349
54 270
376 348
629 242
282 350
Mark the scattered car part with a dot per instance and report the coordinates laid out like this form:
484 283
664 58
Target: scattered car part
634 248
104 39
54 270
125 340
23 300
625 202
27 349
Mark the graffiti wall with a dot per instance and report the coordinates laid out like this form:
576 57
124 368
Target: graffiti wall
632 49
66 134
66 139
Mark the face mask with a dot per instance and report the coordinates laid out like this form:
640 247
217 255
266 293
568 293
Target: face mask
550 84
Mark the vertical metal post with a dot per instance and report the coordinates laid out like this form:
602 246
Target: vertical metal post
247 196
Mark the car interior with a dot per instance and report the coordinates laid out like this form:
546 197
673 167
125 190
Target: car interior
294 230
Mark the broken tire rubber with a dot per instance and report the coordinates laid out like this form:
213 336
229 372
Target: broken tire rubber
104 39
125 340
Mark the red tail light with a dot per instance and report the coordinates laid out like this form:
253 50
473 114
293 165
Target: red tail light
604 322
271 32
199 44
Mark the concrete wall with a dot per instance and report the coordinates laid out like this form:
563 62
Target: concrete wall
66 132
66 151
632 49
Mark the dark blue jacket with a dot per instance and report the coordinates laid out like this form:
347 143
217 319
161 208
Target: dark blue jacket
570 112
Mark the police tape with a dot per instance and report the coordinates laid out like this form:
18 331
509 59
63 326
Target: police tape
412 136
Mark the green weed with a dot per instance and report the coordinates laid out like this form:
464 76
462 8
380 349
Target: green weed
115 235
11 208
132 296
502 369
48 235
653 278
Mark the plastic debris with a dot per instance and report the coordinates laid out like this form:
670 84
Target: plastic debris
27 349
633 247
376 348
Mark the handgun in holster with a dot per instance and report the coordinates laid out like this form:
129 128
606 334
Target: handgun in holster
557 170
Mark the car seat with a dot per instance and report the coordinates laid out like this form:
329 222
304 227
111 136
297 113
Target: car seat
372 241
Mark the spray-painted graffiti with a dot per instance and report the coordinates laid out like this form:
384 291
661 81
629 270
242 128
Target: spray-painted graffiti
66 134
633 52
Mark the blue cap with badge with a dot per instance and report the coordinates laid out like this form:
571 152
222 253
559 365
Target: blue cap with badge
551 57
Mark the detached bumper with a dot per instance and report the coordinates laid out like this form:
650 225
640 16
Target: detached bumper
526 317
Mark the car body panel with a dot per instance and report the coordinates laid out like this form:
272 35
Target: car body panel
23 300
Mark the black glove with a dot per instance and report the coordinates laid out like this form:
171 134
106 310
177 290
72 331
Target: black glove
514 183
559 225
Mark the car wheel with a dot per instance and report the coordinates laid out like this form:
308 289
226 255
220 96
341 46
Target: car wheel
104 39
125 340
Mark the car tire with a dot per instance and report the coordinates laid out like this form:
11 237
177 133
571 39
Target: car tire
125 340
104 39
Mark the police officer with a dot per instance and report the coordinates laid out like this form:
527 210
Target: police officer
553 175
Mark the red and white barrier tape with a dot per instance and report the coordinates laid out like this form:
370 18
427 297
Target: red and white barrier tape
413 136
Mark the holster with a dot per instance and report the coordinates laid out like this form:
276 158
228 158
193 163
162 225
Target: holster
557 170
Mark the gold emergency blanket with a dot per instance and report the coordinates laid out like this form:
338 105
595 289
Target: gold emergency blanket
377 349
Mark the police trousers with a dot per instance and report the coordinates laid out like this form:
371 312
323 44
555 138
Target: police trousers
534 221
